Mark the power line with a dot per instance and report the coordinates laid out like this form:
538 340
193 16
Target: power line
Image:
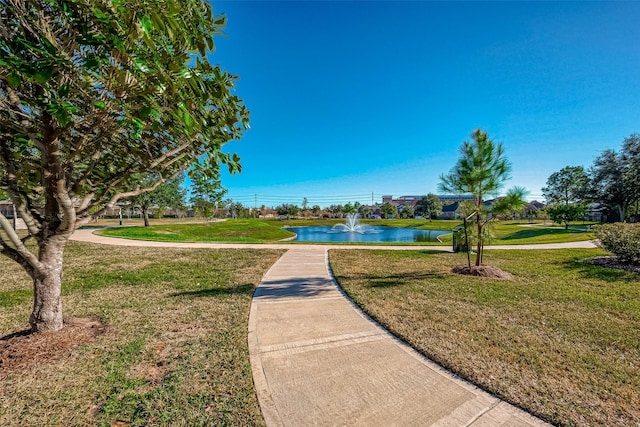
257 199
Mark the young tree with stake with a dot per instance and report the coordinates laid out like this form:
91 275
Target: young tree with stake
481 171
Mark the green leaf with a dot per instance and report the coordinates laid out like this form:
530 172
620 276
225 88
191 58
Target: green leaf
13 80
117 42
43 75
59 113
100 104
146 24
144 112
100 15
64 90
52 108
63 118
137 125
50 48
70 107
91 63
201 47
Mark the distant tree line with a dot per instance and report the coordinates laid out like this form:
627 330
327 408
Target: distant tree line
613 181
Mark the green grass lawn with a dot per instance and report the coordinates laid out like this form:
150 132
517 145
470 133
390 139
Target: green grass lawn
560 339
523 233
242 230
267 231
175 352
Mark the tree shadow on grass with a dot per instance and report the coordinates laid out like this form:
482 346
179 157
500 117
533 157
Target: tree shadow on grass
23 333
394 280
606 274
295 287
417 253
434 251
525 234
247 288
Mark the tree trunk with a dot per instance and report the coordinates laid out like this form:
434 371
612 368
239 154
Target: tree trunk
479 245
145 215
47 284
621 211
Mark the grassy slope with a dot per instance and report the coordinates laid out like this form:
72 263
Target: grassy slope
244 231
176 350
561 339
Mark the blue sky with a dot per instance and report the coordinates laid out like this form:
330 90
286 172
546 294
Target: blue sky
353 98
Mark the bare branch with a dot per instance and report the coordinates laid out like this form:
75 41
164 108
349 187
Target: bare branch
14 191
85 203
98 122
136 192
19 252
169 154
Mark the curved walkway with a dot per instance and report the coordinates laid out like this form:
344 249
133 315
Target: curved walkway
318 360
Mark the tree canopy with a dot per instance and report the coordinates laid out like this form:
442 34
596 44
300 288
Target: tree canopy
430 206
287 209
93 95
168 194
564 214
568 185
206 195
389 210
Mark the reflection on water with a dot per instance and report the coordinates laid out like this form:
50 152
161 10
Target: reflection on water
372 234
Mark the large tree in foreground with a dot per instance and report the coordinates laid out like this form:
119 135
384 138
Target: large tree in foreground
481 170
93 95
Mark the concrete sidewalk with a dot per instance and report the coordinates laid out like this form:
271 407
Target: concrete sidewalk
318 360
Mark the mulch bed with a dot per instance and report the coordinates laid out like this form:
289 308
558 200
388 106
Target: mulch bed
612 262
482 271
24 349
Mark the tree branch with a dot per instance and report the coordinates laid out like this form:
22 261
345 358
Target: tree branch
19 252
14 191
168 154
137 192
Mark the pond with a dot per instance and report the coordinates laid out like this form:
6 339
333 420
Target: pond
370 234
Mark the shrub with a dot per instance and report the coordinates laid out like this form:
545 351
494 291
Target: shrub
622 240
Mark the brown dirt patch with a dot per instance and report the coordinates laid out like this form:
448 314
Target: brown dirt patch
24 349
482 271
612 262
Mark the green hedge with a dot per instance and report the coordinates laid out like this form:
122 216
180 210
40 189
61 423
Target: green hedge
622 240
